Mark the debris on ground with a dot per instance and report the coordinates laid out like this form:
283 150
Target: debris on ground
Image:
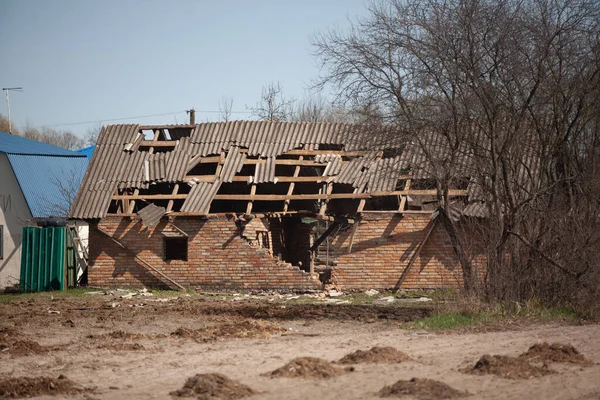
246 329
507 367
30 387
337 301
384 300
120 334
123 293
556 352
213 386
121 346
335 293
423 389
308 368
382 355
371 292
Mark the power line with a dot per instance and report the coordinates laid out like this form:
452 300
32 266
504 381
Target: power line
142 116
116 119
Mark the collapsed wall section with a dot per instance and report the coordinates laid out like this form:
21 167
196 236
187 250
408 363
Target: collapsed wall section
382 248
218 257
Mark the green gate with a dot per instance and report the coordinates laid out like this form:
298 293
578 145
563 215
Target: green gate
43 256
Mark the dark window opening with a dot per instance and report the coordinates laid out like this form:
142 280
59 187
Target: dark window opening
175 248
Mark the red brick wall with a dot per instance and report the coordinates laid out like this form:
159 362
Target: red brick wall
382 248
218 258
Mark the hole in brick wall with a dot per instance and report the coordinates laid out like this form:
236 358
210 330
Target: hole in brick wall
291 241
175 248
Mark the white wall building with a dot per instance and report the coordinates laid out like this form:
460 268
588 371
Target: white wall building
37 180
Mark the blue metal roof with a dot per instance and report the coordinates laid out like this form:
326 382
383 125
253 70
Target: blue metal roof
13 144
88 151
49 183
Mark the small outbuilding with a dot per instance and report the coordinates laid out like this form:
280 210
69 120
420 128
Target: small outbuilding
267 205
37 181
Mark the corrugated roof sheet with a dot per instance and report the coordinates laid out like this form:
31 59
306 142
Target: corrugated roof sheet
200 197
117 162
151 214
233 163
49 182
265 172
13 144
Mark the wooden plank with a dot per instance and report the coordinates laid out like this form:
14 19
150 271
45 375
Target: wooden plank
149 197
170 203
414 256
244 178
318 152
153 127
279 197
354 228
158 143
252 193
290 191
324 206
324 236
132 202
402 204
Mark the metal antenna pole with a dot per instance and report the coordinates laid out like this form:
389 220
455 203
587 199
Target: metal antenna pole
8 105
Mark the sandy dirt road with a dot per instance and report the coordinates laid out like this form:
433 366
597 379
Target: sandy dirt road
142 348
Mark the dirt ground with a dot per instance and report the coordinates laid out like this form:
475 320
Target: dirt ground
147 347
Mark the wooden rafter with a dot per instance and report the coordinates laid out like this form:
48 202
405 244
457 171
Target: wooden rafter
286 204
280 197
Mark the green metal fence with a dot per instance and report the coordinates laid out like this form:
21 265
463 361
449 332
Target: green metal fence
43 259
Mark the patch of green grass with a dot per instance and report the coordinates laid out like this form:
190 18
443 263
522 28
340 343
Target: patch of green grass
439 322
495 314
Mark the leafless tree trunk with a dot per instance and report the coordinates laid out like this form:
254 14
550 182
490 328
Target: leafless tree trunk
273 106
225 107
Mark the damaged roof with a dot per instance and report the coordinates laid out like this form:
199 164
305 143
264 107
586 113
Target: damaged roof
131 159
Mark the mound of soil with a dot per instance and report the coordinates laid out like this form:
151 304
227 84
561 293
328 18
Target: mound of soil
244 329
22 348
556 352
211 386
424 389
383 355
308 368
507 367
30 387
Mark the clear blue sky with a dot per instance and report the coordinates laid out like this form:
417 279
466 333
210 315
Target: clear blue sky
89 60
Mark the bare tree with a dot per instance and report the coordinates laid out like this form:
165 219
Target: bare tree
91 135
501 91
273 106
225 107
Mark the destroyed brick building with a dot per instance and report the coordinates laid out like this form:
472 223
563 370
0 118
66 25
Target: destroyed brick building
264 205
